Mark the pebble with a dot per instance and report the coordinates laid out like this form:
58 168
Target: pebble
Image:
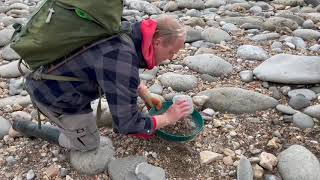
207 157
11 160
31 175
63 172
228 161
268 161
257 171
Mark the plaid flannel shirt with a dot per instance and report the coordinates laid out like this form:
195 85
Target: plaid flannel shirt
112 65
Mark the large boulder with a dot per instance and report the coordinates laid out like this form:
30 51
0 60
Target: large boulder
289 69
297 162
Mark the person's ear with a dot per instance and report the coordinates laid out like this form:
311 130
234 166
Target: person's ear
156 41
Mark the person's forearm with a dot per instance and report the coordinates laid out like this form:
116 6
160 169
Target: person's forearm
162 121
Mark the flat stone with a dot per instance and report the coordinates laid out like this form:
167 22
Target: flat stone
236 100
313 111
215 35
146 171
307 34
299 101
285 109
265 37
94 161
289 69
11 70
250 52
124 168
178 82
309 94
246 76
303 121
297 162
208 64
244 169
11 100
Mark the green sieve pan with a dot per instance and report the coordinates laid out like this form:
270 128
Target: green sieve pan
178 138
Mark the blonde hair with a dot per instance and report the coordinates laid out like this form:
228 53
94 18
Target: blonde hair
169 29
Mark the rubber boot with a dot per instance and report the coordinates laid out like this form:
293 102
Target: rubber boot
30 129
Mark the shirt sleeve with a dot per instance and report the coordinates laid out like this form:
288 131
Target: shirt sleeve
118 76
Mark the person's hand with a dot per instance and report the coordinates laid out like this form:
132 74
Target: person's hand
176 112
150 99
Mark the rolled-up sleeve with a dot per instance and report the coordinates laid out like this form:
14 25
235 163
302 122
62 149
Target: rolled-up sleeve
118 76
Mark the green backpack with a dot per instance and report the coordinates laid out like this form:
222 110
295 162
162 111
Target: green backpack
60 27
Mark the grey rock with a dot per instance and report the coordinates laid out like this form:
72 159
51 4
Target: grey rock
315 48
246 76
190 4
175 66
204 51
275 92
230 28
131 12
271 177
312 2
297 42
299 101
208 78
308 24
149 74
313 111
195 21
21 115
307 34
94 161
156 88
31 175
264 5
291 16
289 2
309 94
242 5
193 13
289 69
265 84
236 100
5 36
11 160
16 86
258 21
208 64
145 171
11 70
9 54
251 26
18 99
256 10
315 17
124 168
285 109
214 3
193 34
273 23
265 37
297 162
302 121
178 82
285 90
250 52
171 6
215 35
244 169
143 6
4 127
315 89
276 44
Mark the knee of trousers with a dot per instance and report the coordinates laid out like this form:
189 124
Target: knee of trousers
84 142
